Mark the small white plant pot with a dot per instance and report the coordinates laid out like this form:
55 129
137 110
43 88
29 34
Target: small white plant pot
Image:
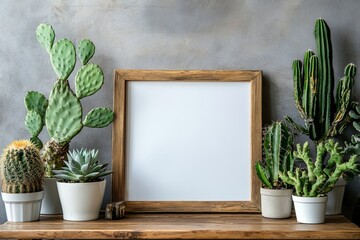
276 203
310 210
81 201
22 207
51 202
335 198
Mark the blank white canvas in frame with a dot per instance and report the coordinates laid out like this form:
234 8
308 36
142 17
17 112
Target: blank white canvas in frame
188 141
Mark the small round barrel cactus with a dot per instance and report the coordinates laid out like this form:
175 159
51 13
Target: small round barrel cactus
22 170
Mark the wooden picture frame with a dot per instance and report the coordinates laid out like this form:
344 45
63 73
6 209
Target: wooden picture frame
122 77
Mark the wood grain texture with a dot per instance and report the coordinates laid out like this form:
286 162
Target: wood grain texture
119 132
182 226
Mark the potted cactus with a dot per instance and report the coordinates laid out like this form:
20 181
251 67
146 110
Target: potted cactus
312 183
62 114
326 115
79 181
277 151
22 176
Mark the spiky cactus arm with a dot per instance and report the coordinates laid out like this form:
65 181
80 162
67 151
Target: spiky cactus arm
303 153
293 179
326 74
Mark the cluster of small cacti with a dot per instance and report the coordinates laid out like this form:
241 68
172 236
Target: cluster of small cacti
22 170
63 113
278 155
82 166
325 116
319 178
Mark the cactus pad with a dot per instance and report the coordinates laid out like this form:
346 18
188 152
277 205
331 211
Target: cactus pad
86 50
99 117
64 113
63 58
45 35
88 80
37 102
33 123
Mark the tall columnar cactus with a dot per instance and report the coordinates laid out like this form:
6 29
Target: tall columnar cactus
22 170
278 157
318 179
325 116
63 116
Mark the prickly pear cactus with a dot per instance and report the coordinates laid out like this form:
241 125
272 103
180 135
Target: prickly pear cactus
88 80
45 35
63 58
98 117
22 170
64 114
36 104
86 50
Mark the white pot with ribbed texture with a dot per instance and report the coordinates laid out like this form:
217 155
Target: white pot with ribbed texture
22 207
81 201
276 203
310 210
335 198
51 202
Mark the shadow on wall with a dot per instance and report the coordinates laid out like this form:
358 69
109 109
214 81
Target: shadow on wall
192 16
266 100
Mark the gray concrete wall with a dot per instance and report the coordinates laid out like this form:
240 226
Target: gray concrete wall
163 34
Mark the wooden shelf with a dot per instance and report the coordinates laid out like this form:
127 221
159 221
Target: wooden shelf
182 226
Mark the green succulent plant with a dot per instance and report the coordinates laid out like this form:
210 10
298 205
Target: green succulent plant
63 112
325 113
82 166
278 155
319 178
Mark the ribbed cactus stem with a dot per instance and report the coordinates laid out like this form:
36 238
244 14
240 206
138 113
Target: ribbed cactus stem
326 74
22 170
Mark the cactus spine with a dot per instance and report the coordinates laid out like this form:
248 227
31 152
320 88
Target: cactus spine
317 180
63 115
277 151
22 170
324 116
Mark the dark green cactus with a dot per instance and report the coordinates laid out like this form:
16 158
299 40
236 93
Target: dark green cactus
324 116
318 178
64 113
277 151
22 170
354 146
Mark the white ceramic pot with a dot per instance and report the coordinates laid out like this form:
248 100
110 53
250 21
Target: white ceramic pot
81 201
276 203
310 209
335 198
22 207
51 202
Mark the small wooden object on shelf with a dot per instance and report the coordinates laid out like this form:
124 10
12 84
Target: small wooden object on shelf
115 210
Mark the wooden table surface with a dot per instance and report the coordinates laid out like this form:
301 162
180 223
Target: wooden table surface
182 226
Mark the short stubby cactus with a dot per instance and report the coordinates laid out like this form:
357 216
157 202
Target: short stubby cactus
278 155
22 170
325 115
318 178
63 113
